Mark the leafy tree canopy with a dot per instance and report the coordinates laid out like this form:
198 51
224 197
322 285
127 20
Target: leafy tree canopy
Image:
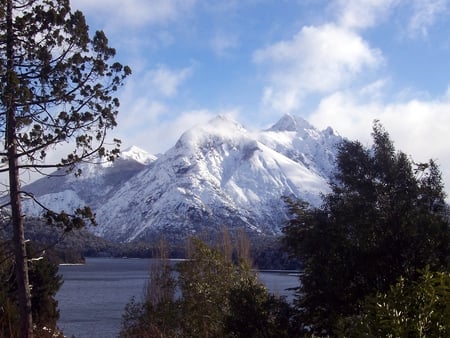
216 298
417 309
384 218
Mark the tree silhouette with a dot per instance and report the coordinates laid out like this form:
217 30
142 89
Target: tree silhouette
385 218
57 85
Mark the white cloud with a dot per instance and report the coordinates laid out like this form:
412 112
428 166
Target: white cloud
166 81
359 14
159 137
425 13
418 127
155 84
145 101
317 59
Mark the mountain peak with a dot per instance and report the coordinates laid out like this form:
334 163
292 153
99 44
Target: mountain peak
137 154
224 122
291 123
220 126
217 174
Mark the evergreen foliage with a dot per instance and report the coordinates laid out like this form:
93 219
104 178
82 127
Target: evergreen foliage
385 218
57 87
45 283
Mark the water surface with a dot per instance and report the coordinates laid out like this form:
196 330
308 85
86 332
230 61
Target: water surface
94 295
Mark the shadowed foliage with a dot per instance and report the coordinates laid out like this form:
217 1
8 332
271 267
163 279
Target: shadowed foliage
385 218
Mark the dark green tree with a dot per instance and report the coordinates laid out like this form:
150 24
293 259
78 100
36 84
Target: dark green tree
46 282
254 312
57 85
384 218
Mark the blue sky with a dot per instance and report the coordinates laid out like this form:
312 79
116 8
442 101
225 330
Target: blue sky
339 63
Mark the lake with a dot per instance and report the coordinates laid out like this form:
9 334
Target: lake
94 295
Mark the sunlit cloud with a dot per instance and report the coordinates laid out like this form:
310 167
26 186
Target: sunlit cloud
418 127
359 14
317 59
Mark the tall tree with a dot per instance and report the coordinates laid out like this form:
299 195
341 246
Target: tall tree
57 86
385 218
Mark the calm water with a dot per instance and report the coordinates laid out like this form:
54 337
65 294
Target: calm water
93 296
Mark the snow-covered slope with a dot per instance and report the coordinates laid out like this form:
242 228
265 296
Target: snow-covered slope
217 174
64 191
137 154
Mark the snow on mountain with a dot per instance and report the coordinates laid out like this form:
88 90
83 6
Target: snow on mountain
217 174
137 154
97 181
67 200
295 138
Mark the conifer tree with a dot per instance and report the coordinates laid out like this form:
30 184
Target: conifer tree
57 85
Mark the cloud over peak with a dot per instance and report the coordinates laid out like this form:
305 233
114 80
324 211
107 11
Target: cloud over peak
317 59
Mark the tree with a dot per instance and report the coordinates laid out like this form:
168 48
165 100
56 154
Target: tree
57 86
417 309
216 297
46 283
384 218
157 315
254 312
206 281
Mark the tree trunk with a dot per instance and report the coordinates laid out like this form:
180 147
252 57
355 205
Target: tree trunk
20 252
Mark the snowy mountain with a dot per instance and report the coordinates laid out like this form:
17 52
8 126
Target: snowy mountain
138 155
65 191
217 174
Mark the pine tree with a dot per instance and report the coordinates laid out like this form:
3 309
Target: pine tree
385 218
57 86
46 282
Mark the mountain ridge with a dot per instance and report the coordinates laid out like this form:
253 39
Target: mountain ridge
217 174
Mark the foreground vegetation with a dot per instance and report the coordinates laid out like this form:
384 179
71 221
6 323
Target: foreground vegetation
375 263
45 283
383 231
375 259
212 294
58 85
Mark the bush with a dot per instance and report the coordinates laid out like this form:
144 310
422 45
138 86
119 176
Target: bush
417 309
